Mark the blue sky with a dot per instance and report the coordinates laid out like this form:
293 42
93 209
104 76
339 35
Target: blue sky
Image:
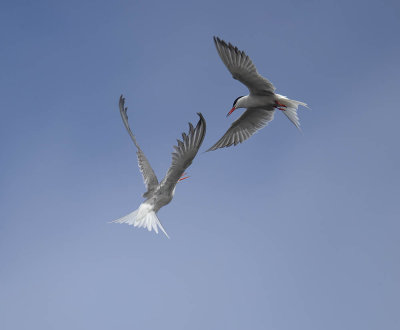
286 231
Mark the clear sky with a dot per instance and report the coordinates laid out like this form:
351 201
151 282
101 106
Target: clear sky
287 231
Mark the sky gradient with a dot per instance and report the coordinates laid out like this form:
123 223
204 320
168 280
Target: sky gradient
287 231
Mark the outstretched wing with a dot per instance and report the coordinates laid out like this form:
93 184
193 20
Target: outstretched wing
242 68
149 176
184 153
245 126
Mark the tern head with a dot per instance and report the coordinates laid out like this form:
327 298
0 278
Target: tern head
236 105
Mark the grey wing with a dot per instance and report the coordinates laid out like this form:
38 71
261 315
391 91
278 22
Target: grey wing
245 126
184 153
149 177
242 68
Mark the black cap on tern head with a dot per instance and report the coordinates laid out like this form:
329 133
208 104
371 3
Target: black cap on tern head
234 102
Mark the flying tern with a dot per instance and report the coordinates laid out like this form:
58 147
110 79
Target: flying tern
260 103
160 194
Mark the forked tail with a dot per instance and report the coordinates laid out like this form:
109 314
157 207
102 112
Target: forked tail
144 217
290 109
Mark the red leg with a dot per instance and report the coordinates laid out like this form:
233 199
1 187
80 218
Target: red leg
278 104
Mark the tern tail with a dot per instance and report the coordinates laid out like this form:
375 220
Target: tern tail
144 217
291 109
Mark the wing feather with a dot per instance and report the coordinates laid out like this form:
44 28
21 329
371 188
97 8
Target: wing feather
149 177
252 120
184 153
242 68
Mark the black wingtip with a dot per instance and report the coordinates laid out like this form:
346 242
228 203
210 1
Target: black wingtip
216 41
202 121
191 128
121 101
211 149
201 116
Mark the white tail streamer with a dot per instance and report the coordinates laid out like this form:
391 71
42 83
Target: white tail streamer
144 217
291 109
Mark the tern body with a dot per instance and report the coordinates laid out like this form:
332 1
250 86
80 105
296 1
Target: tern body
161 194
260 103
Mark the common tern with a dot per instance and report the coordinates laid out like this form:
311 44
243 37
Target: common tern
160 194
260 103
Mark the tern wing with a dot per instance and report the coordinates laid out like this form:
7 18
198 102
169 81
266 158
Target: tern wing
184 153
245 126
149 177
242 68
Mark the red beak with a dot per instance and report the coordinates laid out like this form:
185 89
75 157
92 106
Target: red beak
233 109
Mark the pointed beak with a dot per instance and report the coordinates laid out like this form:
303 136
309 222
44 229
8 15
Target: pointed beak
233 109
